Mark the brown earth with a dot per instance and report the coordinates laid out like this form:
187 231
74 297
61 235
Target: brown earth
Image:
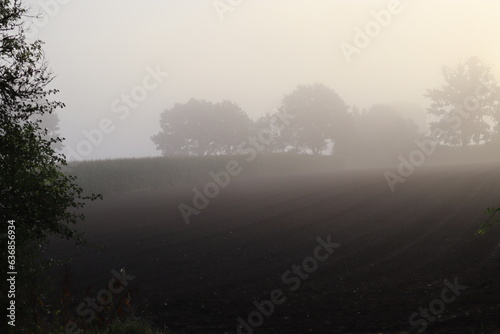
397 249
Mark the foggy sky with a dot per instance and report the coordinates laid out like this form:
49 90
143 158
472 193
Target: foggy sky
100 50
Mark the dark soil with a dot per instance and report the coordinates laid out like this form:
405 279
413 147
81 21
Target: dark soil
397 249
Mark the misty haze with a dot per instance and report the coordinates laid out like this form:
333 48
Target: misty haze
232 166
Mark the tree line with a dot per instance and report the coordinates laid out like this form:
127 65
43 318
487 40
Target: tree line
465 110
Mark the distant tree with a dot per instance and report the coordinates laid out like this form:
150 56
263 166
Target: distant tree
184 129
269 124
466 105
199 128
232 127
321 118
381 135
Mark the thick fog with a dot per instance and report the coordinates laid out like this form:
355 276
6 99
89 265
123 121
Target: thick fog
251 53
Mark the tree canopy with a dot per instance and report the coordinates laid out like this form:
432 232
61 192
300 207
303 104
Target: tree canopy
198 127
34 191
321 118
467 105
